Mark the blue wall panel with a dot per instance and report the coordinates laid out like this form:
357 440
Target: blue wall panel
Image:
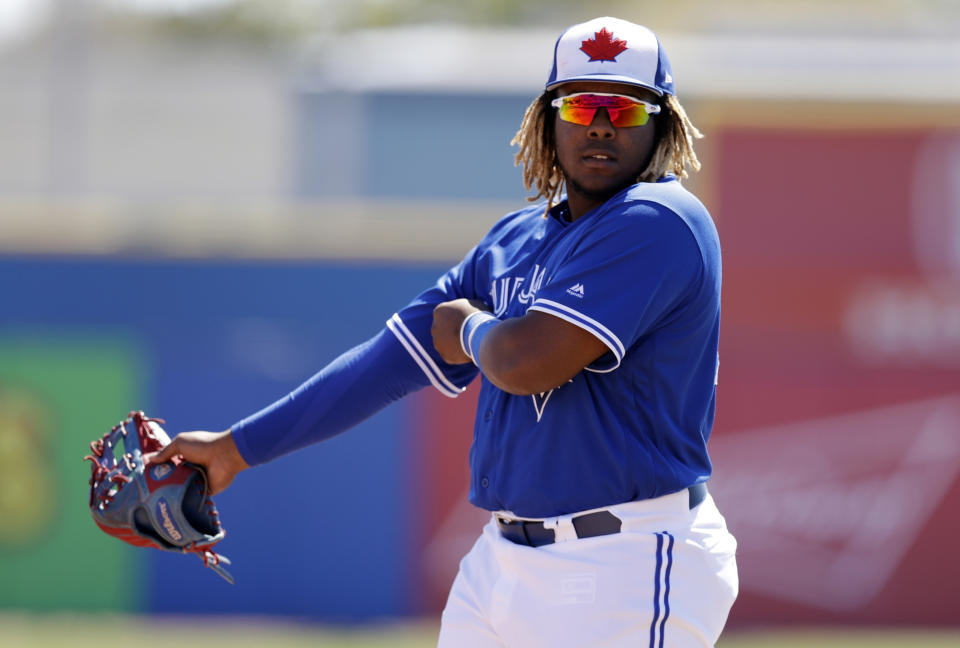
322 533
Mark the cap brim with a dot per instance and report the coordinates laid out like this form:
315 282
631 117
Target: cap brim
606 78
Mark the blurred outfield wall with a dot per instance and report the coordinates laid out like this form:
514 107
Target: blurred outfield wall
837 443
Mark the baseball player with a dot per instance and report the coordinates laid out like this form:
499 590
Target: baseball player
593 320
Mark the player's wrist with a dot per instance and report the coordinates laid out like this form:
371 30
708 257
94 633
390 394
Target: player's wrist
232 452
475 326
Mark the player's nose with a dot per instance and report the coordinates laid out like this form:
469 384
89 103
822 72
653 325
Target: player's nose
601 127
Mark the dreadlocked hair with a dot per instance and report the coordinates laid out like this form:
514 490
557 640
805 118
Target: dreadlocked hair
674 153
538 155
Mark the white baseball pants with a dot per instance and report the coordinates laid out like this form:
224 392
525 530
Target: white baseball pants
667 580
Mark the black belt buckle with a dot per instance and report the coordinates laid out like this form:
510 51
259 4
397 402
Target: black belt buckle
596 524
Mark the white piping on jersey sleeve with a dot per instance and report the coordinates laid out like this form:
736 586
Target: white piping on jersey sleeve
588 324
422 358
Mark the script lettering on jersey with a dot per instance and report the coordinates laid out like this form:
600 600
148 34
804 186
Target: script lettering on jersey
540 402
504 290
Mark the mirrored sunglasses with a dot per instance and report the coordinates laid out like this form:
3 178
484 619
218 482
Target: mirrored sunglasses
624 111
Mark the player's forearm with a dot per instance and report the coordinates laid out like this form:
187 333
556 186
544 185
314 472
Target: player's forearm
512 358
526 355
349 390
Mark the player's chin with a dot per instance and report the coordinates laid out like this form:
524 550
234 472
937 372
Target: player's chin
600 186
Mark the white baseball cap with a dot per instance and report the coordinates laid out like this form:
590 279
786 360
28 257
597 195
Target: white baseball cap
614 50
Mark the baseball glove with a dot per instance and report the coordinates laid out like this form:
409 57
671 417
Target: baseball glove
164 506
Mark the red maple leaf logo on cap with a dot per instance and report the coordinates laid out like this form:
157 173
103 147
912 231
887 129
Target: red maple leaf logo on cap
603 47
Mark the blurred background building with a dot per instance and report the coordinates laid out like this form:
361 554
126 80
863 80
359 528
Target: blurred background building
203 202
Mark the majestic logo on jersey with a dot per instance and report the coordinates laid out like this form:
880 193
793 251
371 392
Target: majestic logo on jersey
603 47
576 290
504 290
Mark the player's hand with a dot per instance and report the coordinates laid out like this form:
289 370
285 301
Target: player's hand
215 451
447 319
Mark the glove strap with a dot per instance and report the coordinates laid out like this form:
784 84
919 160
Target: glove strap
215 562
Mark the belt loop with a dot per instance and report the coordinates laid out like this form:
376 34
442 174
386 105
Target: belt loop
562 526
523 531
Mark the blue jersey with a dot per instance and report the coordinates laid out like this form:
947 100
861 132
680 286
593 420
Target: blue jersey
642 274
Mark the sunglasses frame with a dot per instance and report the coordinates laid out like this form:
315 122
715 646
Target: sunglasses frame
651 109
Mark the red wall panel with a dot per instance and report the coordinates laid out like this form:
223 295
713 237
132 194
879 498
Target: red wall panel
837 443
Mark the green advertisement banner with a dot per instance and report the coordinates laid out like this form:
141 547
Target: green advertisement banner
57 394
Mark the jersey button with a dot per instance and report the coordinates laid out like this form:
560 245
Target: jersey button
488 415
484 482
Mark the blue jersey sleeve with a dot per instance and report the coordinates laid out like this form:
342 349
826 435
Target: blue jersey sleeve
411 326
350 389
624 277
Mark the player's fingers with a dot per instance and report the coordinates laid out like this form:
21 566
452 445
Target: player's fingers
164 455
